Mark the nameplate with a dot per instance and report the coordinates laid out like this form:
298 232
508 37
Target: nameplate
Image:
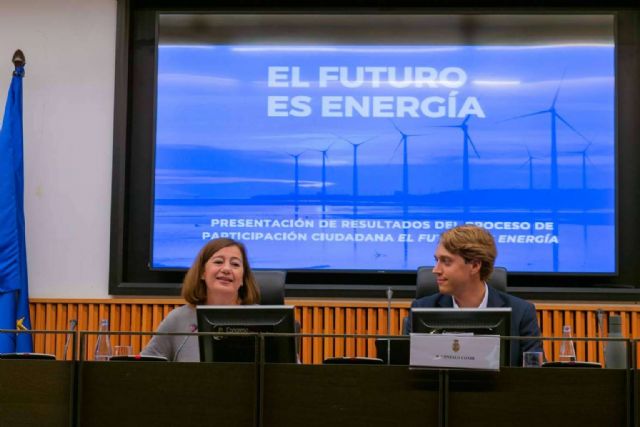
455 351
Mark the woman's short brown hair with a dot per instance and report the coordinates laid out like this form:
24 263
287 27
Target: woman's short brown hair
194 289
472 243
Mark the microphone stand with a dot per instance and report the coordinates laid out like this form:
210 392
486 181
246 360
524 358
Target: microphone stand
72 327
599 315
389 296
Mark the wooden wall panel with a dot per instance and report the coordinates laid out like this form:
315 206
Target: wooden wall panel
334 317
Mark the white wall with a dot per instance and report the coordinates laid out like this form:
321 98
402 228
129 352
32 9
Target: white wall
68 136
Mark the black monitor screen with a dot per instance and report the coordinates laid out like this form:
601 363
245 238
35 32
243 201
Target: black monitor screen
479 321
246 319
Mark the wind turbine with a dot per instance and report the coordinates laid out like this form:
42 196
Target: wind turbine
585 224
404 140
583 154
296 174
554 116
355 161
325 157
466 142
529 162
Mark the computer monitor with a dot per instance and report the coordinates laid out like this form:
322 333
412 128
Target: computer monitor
479 321
246 319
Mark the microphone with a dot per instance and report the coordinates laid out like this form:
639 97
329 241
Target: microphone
72 327
194 328
599 315
389 296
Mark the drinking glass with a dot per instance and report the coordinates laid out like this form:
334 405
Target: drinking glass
532 359
122 350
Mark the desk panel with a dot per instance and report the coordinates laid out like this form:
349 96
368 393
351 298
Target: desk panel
194 394
36 393
167 394
538 397
349 395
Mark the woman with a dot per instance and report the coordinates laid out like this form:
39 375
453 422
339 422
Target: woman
220 275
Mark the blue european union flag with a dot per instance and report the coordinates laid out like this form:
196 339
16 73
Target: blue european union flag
14 299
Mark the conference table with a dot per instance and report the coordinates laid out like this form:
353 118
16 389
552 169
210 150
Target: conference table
125 393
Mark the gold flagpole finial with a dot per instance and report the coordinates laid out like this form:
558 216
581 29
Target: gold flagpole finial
18 58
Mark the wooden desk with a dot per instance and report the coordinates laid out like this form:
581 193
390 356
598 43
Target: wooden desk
539 397
197 394
166 394
36 393
348 395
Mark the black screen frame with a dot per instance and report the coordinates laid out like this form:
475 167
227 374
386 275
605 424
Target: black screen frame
276 319
134 127
480 321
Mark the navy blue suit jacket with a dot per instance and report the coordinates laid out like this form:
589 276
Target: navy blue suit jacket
523 319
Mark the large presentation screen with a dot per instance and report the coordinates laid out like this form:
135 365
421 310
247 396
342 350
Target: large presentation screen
351 142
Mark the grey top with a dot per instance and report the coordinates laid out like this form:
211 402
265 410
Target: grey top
176 348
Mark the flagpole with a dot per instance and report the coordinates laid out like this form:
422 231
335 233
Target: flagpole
14 296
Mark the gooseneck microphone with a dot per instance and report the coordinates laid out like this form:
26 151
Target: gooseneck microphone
389 296
194 328
599 314
72 327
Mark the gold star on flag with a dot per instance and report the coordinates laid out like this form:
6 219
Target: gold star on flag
20 325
